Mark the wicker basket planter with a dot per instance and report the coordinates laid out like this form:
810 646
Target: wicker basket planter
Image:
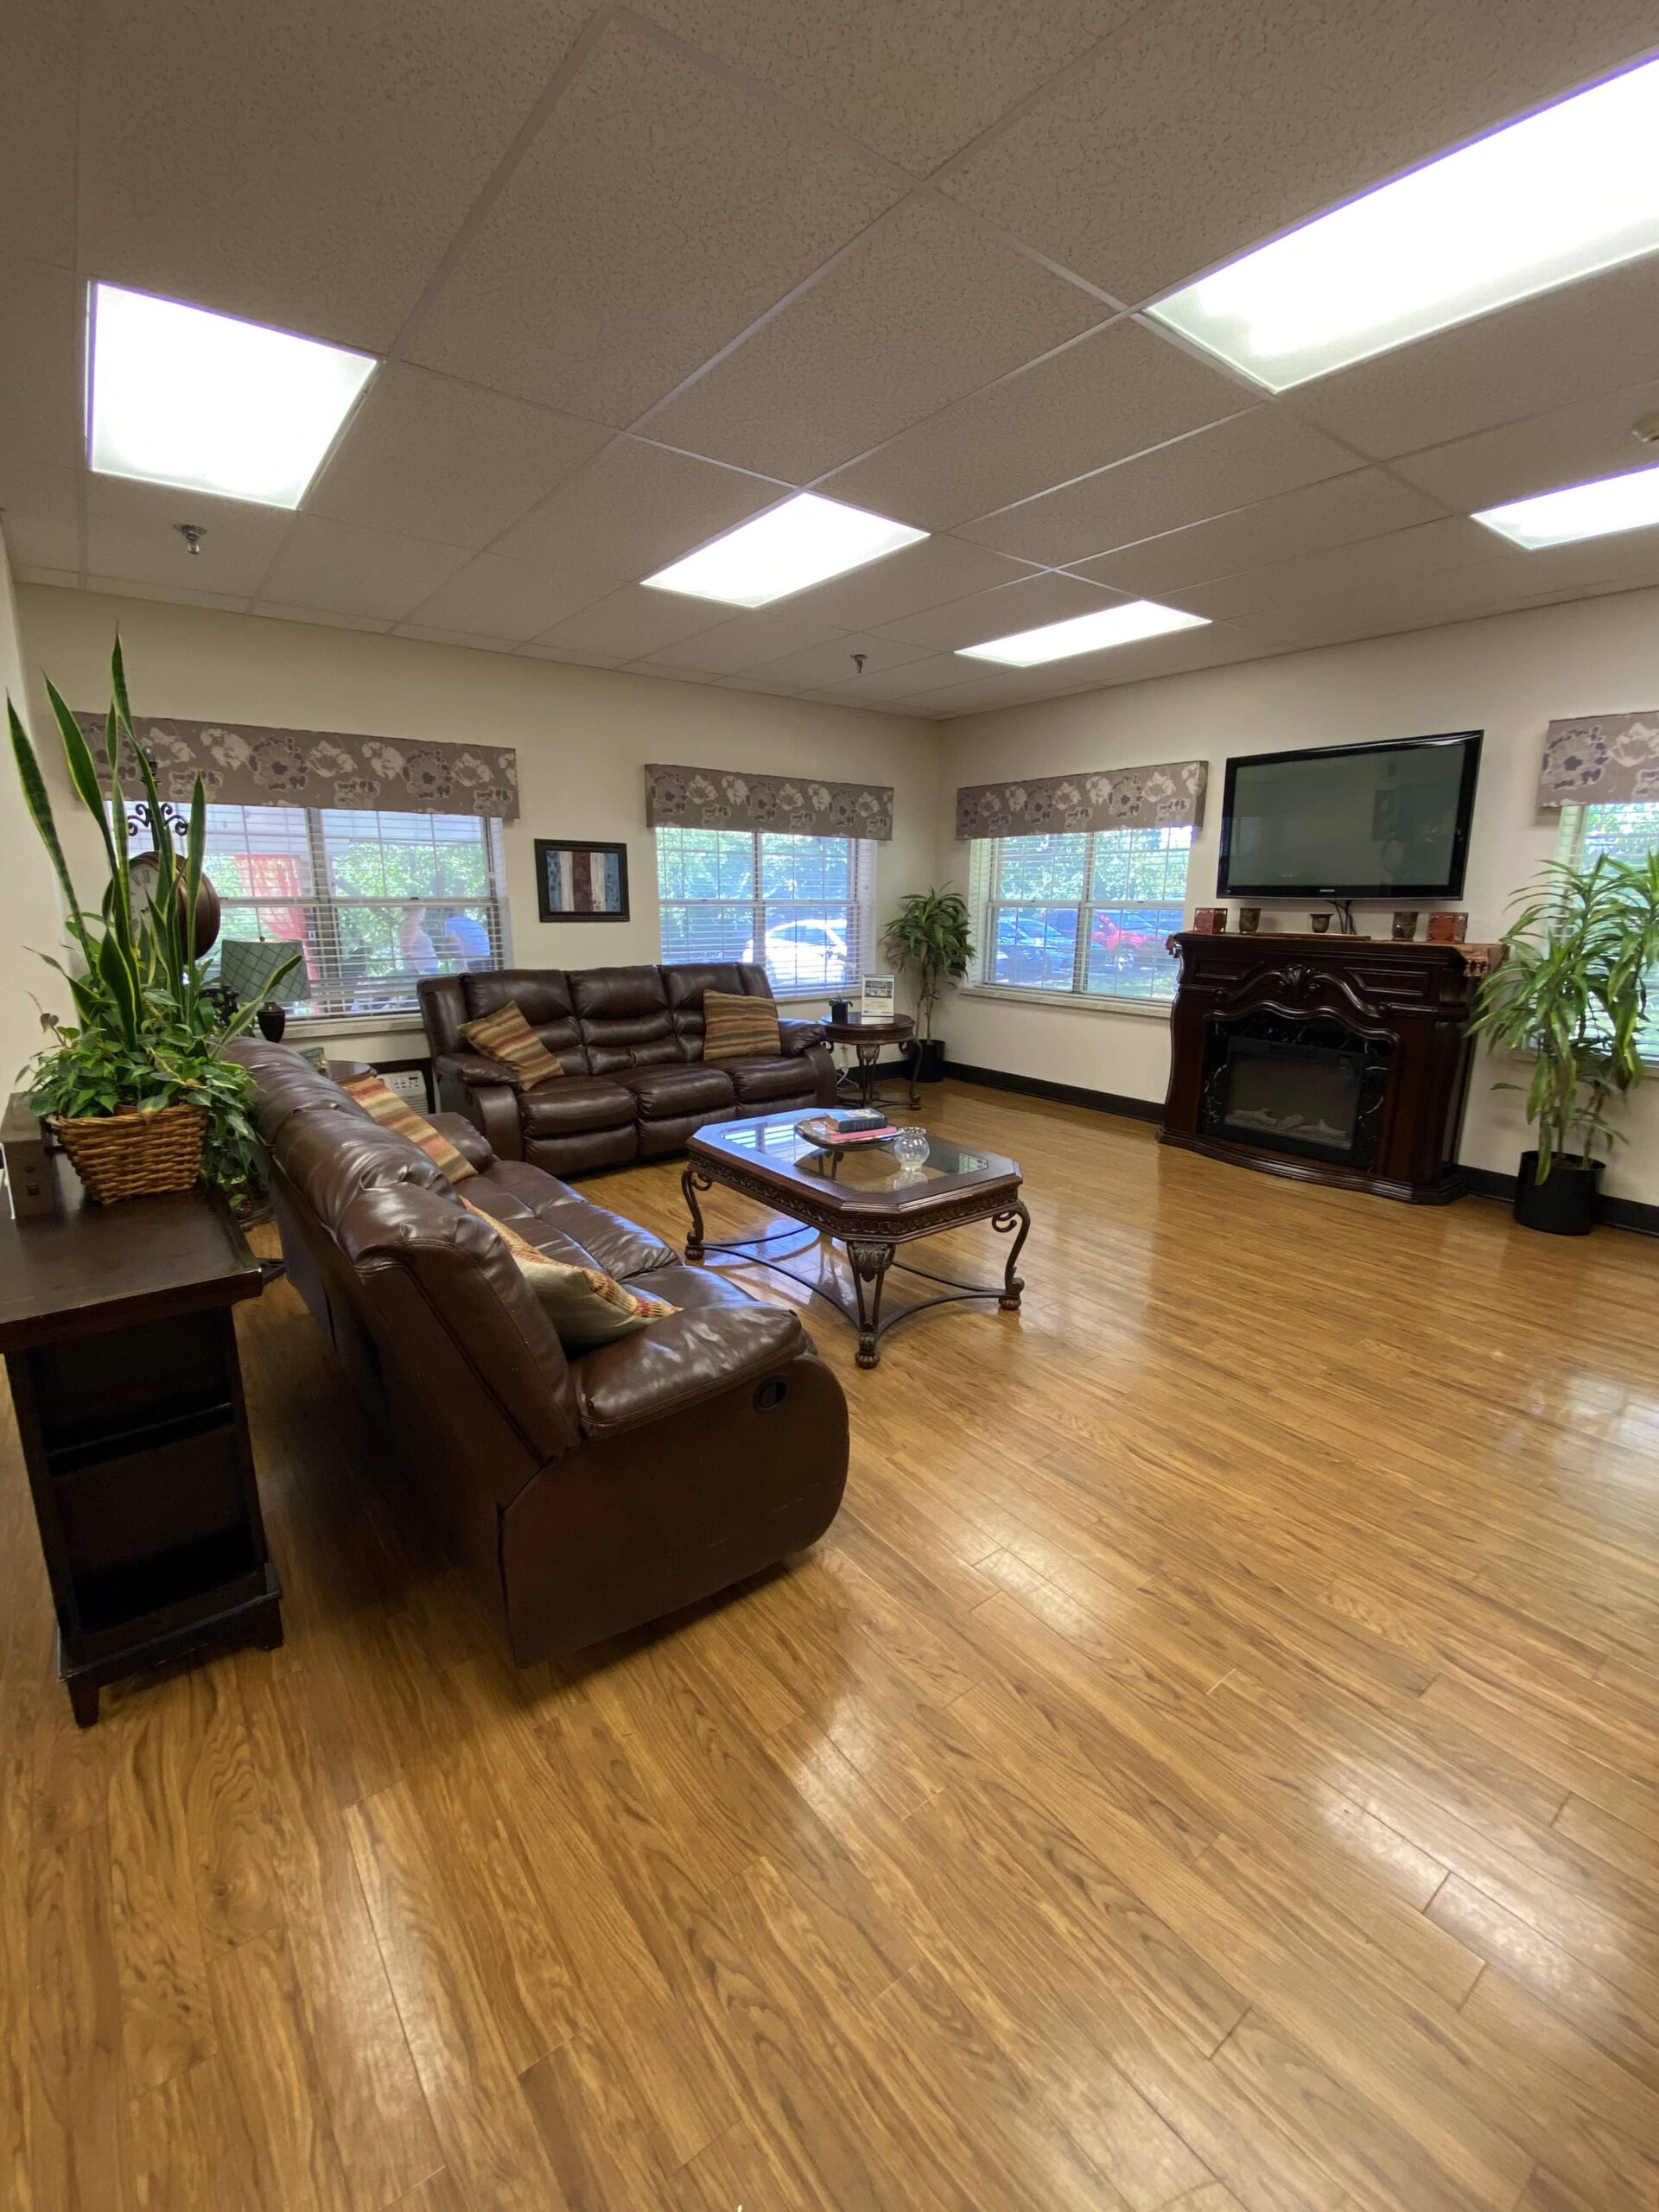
133 1155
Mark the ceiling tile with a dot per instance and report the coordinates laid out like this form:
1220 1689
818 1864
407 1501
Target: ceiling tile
1628 559
662 208
878 687
280 610
1587 338
924 308
171 594
338 569
926 575
745 640
1335 512
1110 395
1401 554
473 640
38 91
132 532
1251 457
426 457
39 513
632 622
911 82
511 600
814 667
570 654
634 508
1570 445
1202 131
1002 611
67 579
305 166
40 365
1410 603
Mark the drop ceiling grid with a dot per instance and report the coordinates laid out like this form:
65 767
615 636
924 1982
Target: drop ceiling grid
1358 430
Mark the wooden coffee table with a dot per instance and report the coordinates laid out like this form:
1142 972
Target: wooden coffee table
860 1198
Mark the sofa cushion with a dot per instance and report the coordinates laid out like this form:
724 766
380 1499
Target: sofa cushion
538 1206
506 1036
738 1027
542 995
687 1086
758 1083
687 984
575 1103
586 1305
624 1019
335 1157
382 1104
697 1352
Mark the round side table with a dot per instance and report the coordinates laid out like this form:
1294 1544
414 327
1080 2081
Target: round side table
867 1037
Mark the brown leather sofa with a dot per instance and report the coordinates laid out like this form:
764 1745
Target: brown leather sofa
582 1495
635 1084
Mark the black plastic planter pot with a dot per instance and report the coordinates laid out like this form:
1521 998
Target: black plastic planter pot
930 1060
1567 1202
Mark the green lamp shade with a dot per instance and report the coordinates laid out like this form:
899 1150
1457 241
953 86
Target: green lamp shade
247 964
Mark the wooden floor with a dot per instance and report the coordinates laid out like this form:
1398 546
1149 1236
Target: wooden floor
1213 1761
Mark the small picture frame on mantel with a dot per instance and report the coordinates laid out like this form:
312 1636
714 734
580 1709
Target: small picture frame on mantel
578 880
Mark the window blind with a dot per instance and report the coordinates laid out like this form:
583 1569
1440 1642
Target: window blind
797 905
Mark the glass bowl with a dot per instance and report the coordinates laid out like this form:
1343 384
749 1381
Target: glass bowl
910 1148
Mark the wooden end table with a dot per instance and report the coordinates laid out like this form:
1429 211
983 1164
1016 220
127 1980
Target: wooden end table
867 1035
861 1198
119 1335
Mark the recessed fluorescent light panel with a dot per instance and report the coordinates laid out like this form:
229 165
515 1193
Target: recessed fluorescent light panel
1086 633
202 401
1557 196
803 542
1598 510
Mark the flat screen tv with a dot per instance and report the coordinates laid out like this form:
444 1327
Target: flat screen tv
1388 821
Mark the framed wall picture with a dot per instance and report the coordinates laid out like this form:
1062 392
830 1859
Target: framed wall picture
579 882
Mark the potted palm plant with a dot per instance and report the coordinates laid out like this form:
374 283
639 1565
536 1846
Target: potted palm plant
1572 994
136 1088
928 939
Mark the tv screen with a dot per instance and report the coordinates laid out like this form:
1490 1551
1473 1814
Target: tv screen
1351 821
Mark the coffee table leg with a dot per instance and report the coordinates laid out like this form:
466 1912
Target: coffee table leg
869 1264
1012 1285
691 1183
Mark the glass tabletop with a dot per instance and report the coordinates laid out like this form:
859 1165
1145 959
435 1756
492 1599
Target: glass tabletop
777 1145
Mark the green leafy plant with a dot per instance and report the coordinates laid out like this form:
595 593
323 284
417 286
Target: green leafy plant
147 1035
1573 992
928 939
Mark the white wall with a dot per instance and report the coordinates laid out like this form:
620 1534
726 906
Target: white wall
583 736
31 913
1508 675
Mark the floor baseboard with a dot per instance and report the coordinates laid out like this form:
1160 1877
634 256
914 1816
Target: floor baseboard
1484 1182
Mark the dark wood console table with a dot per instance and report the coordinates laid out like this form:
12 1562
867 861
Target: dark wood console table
1337 1059
119 1336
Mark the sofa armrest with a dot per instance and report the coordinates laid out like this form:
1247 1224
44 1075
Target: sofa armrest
468 1139
473 1087
797 1037
668 1365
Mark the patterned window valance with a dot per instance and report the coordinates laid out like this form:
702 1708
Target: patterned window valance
730 799
241 764
1097 798
1601 757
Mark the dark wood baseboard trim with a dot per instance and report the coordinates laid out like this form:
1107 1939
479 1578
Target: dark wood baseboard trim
1633 1214
1479 1182
1062 1094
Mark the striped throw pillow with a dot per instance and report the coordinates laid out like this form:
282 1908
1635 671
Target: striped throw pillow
736 1027
506 1036
586 1305
381 1102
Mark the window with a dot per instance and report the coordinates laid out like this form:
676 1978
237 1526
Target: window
377 901
1085 913
1626 830
796 905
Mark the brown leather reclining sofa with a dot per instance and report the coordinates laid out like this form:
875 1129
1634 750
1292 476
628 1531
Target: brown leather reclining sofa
584 1494
635 1084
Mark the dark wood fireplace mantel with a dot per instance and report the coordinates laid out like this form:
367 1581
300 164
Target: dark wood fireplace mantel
1337 1059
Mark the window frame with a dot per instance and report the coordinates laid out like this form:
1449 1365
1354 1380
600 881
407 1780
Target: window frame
328 905
861 900
985 863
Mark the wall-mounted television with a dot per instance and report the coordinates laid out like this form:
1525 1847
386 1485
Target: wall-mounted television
1388 821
